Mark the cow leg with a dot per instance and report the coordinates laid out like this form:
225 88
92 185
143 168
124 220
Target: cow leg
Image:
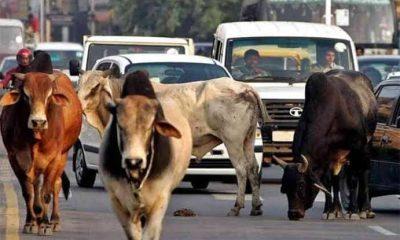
30 226
238 159
45 228
37 207
133 232
328 208
337 207
364 200
153 227
352 182
252 172
55 214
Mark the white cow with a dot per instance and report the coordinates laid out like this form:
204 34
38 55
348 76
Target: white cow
218 111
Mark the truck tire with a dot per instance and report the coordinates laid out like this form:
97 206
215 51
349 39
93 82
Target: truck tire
84 177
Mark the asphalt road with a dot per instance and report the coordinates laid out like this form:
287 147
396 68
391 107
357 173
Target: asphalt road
88 215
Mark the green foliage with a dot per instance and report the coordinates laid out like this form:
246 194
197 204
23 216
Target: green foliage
174 18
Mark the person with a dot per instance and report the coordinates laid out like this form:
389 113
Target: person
330 61
251 68
24 59
360 51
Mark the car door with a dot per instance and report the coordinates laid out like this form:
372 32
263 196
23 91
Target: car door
90 137
385 168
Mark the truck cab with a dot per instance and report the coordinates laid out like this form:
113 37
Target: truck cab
276 58
11 37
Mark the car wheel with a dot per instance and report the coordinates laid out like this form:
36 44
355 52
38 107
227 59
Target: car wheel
84 177
199 184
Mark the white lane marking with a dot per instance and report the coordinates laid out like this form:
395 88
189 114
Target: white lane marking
383 231
231 197
320 197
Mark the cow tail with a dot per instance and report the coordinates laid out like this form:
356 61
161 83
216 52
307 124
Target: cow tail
263 114
66 184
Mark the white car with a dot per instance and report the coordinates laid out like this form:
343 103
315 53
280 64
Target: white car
61 53
164 68
8 63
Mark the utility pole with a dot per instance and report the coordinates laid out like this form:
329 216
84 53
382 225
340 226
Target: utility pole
92 18
328 12
42 20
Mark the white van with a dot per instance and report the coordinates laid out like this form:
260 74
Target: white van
97 47
276 58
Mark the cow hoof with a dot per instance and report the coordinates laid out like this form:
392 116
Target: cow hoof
352 216
338 214
367 214
56 227
233 212
328 216
30 229
45 230
256 212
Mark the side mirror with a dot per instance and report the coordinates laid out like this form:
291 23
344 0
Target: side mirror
74 66
1 75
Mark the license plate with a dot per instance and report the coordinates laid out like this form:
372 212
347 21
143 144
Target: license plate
282 136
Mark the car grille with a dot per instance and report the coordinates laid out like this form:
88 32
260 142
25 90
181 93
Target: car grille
280 111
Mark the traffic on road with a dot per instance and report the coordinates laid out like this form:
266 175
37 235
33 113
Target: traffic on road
286 129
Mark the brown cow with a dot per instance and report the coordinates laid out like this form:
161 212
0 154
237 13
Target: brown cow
144 155
39 123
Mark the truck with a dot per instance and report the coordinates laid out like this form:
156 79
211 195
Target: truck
11 37
96 47
288 53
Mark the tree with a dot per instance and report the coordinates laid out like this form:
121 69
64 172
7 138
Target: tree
175 18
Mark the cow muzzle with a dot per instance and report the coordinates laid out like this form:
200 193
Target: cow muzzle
37 123
134 168
295 214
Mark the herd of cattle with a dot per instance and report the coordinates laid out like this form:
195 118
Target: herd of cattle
150 130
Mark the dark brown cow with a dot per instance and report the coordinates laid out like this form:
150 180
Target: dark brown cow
40 121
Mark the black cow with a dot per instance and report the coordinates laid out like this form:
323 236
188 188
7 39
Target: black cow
336 128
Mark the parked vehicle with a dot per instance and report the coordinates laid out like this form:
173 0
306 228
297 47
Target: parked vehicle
61 53
203 48
378 67
385 165
288 52
96 47
11 37
8 63
163 68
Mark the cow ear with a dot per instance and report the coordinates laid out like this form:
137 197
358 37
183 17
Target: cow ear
166 129
10 98
59 99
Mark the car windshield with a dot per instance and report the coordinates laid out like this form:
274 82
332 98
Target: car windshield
97 51
60 58
8 64
285 59
178 72
378 69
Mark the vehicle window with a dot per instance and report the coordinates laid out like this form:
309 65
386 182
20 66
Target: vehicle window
60 59
378 70
8 64
179 72
97 51
387 99
103 66
116 67
268 59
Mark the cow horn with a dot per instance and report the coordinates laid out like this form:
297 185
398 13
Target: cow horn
322 188
302 167
280 162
